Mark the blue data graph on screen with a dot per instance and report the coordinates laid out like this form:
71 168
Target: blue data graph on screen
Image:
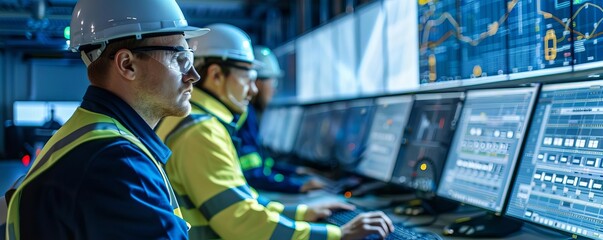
557 36
539 35
483 37
463 39
586 18
439 49
524 38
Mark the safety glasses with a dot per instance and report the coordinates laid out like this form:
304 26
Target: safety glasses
251 74
181 61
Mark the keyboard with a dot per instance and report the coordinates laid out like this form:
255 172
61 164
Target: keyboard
340 218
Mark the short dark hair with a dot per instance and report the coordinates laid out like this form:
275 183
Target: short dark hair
97 70
202 64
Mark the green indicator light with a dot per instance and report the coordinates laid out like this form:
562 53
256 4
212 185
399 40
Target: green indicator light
67 33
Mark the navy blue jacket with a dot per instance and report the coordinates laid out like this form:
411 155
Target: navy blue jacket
104 189
263 177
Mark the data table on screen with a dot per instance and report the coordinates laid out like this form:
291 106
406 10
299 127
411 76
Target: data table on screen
559 181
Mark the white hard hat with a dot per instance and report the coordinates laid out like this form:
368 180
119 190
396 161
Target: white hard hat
97 22
224 41
269 67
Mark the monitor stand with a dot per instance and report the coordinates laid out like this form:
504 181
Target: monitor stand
486 225
431 206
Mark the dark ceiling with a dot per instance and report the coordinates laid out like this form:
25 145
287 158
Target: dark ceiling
39 24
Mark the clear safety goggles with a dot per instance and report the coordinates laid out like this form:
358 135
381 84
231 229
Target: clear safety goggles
181 61
251 74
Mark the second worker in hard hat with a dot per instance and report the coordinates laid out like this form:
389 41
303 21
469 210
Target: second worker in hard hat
258 167
204 167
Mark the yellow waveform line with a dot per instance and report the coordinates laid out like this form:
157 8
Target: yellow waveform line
492 28
474 42
566 26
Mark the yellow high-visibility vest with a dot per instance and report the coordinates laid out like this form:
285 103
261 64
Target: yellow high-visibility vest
83 126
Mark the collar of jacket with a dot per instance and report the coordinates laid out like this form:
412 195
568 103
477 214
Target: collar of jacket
105 102
212 104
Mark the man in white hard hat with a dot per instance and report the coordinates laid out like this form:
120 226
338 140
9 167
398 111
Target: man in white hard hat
100 176
204 167
258 167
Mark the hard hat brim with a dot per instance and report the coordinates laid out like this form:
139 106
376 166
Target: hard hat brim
191 32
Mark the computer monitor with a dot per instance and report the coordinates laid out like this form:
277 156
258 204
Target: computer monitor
315 141
289 129
351 137
432 122
267 130
559 182
31 126
280 119
486 145
36 113
384 137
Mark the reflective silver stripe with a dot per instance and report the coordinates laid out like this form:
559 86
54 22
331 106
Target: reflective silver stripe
290 211
318 231
72 137
222 200
173 199
202 232
185 201
284 229
262 201
187 122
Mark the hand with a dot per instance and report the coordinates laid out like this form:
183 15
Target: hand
320 211
311 184
366 224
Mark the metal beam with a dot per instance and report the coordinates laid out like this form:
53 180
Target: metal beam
19 15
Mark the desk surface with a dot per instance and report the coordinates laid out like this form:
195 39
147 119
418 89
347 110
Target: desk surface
528 231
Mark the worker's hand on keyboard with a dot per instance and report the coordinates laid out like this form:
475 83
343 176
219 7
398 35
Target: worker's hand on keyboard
366 224
320 211
312 184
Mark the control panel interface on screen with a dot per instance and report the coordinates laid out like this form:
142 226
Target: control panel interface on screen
485 146
430 128
384 137
559 181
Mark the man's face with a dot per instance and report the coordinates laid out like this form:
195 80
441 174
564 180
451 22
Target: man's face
266 89
166 86
239 87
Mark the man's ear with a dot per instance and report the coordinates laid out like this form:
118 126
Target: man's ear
215 75
124 60
259 84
